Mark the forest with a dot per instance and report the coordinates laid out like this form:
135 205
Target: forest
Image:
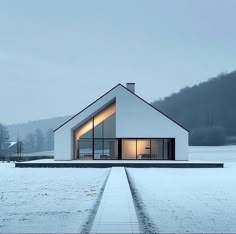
207 110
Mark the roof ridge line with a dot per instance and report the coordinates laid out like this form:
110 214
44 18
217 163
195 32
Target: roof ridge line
119 84
155 108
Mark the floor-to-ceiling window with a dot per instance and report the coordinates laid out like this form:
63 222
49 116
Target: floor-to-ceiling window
150 148
84 141
96 138
129 149
143 148
157 151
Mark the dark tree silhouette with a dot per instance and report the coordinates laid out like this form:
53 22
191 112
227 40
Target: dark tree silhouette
4 136
207 105
49 139
39 140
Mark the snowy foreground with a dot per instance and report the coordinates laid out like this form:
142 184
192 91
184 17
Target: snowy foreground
48 200
189 200
65 200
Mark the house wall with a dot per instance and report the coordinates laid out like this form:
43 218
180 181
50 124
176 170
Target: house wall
134 119
63 137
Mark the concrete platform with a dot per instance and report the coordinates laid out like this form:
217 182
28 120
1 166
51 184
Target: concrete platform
116 212
120 163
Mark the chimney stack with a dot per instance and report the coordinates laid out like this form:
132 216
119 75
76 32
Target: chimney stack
131 87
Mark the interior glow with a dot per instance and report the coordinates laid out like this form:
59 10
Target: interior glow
84 129
110 110
128 149
143 148
100 117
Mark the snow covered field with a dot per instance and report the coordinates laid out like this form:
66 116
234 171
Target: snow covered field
46 200
180 200
213 153
190 199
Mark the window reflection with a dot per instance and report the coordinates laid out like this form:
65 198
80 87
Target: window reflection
95 138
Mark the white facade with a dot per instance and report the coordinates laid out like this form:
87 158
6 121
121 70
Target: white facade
134 119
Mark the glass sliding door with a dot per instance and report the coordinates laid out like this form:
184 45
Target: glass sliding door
105 149
98 148
157 149
143 149
85 149
129 149
111 148
150 148
161 149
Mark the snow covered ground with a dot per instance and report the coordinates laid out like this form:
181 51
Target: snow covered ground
190 200
213 153
48 200
180 200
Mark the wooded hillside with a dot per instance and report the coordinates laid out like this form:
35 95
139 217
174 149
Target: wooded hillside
207 105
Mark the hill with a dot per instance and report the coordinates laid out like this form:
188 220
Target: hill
22 130
206 105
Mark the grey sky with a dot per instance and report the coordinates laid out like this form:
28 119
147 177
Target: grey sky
56 57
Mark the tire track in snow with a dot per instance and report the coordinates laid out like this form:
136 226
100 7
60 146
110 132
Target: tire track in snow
145 222
89 223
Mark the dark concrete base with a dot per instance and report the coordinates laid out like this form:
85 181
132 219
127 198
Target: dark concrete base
138 164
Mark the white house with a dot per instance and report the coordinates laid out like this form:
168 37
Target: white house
120 125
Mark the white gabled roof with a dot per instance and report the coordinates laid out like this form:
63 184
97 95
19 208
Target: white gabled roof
109 92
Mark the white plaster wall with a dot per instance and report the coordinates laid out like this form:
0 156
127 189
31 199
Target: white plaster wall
134 118
63 144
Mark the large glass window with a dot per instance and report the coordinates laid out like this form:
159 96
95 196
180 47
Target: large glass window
98 148
158 149
95 138
143 149
85 149
129 149
111 148
105 129
84 141
106 149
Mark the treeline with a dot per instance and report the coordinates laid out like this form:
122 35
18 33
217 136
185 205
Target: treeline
207 110
212 136
38 141
4 137
23 129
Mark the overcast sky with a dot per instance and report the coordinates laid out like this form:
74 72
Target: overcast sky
56 57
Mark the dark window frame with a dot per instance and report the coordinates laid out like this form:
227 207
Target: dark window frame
171 152
172 145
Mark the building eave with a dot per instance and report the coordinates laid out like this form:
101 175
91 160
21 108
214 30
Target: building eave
87 107
131 93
